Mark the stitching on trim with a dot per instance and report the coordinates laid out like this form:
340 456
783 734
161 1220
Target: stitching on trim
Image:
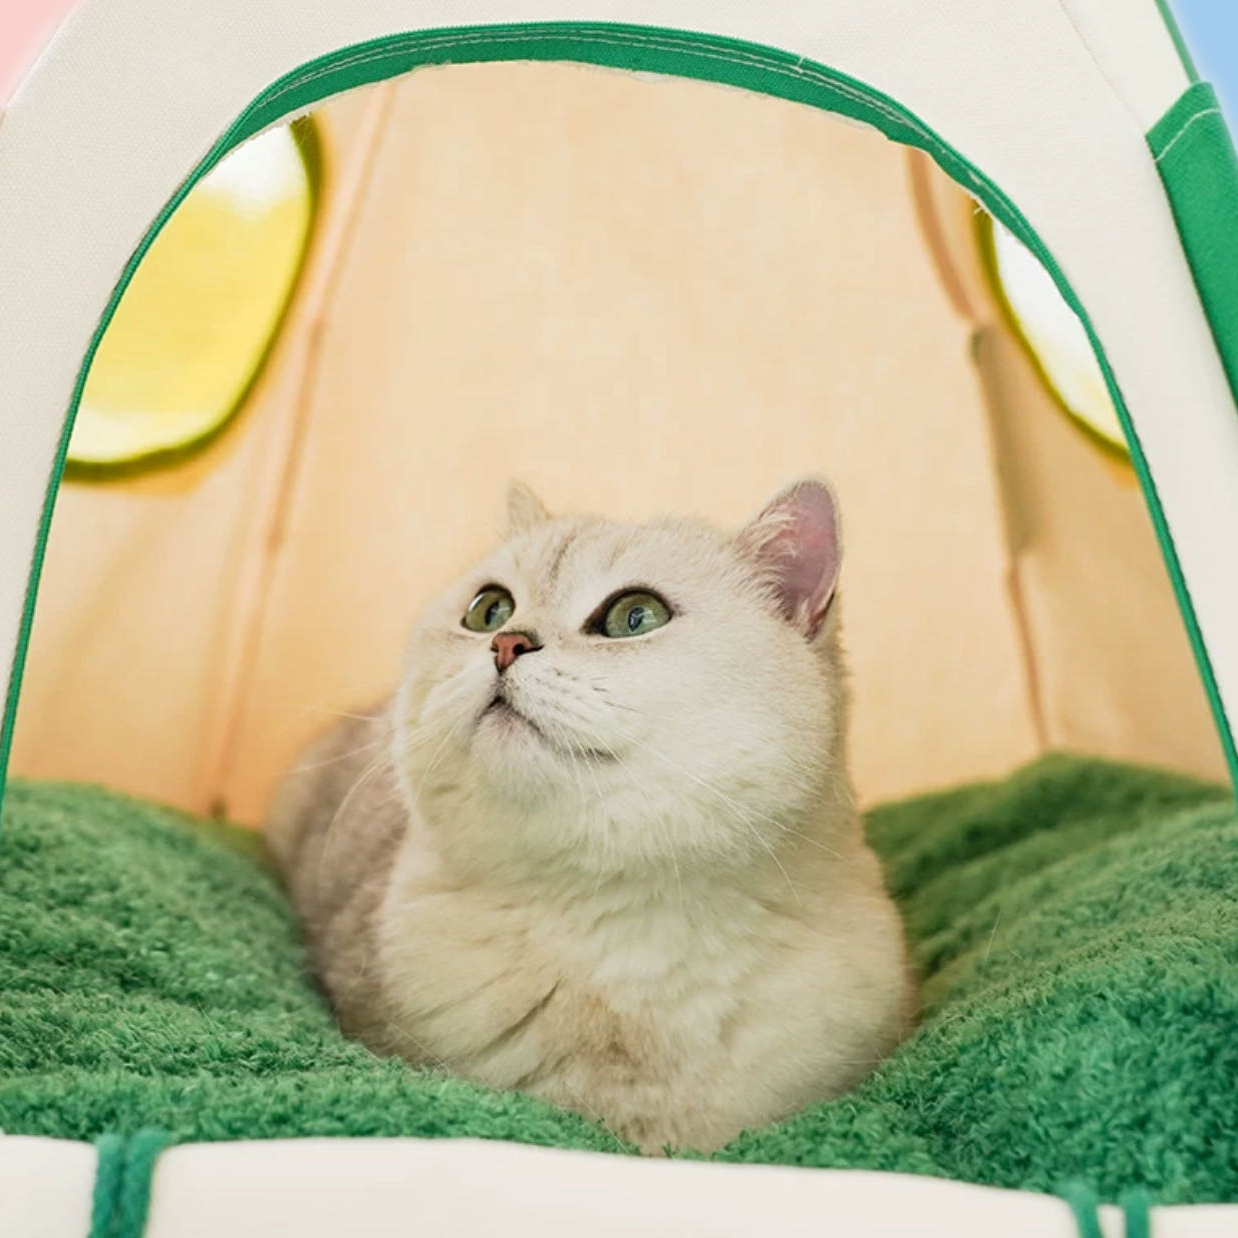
1208 111
631 40
800 72
932 143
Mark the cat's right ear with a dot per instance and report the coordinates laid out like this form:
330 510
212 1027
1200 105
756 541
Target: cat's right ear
795 545
524 508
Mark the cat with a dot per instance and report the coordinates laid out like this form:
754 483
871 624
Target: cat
601 846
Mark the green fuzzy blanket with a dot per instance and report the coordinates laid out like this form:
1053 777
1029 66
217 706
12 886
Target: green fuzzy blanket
1076 926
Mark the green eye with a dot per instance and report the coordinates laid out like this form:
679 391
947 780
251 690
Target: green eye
489 610
634 614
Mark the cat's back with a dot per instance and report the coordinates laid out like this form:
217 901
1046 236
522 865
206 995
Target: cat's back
333 829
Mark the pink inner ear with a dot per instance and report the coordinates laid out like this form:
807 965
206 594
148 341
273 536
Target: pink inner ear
797 544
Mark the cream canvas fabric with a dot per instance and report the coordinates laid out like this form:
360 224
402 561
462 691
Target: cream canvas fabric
1045 99
320 1188
787 312
1042 618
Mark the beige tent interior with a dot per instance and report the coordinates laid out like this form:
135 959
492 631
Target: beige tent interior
484 296
299 297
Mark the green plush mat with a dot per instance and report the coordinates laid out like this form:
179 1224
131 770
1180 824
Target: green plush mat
1076 925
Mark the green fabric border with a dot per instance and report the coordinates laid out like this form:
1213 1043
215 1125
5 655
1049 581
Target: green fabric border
1195 157
651 50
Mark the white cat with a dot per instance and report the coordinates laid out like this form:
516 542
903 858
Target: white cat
601 845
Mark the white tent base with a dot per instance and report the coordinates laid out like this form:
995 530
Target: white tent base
390 1188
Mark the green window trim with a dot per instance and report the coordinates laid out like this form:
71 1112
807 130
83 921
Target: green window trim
309 147
702 57
986 246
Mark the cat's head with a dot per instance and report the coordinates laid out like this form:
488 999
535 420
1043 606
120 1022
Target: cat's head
604 695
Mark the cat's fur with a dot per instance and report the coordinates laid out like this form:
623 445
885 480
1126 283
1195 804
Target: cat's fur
646 895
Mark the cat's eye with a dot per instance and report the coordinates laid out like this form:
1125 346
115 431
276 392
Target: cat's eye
489 610
634 614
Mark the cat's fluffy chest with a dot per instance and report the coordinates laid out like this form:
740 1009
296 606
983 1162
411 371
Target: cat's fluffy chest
677 961
656 1005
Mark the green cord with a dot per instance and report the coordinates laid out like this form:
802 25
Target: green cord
109 1171
1137 1211
122 1183
1136 1208
1083 1203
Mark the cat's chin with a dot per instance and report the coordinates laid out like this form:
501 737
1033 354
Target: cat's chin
502 723
502 720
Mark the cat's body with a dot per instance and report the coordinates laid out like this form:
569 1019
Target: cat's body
625 875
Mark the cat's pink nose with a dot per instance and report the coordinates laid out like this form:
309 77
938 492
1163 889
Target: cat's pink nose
508 646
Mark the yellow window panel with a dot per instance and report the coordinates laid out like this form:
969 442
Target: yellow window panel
195 325
1052 334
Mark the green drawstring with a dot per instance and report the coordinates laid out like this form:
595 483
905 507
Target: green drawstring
122 1183
1083 1203
126 1165
1137 1211
1136 1208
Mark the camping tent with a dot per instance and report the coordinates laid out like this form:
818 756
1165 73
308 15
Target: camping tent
674 282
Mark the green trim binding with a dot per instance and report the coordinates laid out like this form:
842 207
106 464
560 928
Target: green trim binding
1175 33
1195 158
731 62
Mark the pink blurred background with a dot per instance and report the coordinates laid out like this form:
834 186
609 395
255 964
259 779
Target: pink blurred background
25 26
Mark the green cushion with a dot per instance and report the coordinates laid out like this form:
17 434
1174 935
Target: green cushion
1076 926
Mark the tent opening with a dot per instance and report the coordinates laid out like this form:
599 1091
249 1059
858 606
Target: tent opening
640 294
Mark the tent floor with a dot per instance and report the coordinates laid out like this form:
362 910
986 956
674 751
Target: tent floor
1075 925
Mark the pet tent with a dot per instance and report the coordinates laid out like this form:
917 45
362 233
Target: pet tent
430 330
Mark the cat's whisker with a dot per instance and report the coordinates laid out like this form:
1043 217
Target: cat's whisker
352 692
411 741
739 813
812 842
656 817
371 771
439 753
563 740
744 818
306 766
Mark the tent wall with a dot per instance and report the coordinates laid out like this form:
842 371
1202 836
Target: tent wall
1110 667
503 305
483 304
151 585
1029 115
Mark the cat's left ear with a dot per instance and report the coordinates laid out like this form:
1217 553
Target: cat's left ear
795 543
524 508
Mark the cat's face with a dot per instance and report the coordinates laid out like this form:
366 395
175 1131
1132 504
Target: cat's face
609 694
